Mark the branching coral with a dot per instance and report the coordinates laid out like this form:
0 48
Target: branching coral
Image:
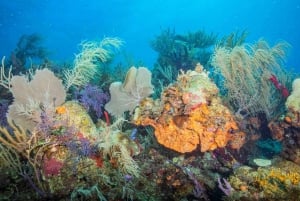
20 141
233 39
86 64
23 145
3 110
5 77
247 72
183 50
119 148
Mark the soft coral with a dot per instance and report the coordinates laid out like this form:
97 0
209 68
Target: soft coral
93 99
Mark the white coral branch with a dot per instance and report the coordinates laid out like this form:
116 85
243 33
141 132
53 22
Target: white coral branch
5 80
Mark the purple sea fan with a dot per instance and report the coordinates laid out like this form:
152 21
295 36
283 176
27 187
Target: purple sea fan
93 99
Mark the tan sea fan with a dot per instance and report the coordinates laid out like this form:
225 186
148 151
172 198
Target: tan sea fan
126 96
44 91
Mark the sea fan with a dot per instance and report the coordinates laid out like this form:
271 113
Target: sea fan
43 92
127 95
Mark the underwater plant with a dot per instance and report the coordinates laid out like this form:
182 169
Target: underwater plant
247 71
116 145
183 50
5 75
88 62
236 38
28 47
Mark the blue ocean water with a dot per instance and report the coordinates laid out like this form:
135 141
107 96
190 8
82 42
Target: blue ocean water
63 24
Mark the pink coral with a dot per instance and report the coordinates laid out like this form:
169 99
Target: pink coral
52 167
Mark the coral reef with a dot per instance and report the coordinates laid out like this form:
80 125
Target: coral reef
279 182
286 128
181 144
90 156
191 114
70 152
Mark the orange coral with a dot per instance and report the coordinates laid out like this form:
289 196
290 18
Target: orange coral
191 114
199 128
